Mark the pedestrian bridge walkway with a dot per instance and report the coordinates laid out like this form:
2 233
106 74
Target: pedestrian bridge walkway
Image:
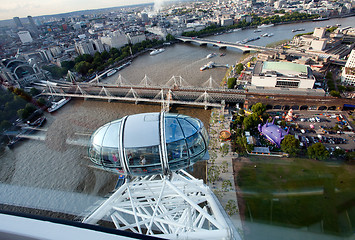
174 91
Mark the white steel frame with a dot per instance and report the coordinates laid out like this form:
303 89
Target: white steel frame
175 206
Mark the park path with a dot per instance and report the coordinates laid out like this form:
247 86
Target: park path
224 161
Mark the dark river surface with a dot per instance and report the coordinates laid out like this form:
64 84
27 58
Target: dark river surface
54 173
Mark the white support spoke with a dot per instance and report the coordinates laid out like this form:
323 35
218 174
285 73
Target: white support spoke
121 81
165 207
105 91
146 82
132 93
134 210
83 92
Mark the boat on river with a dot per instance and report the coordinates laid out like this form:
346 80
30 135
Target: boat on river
266 25
56 105
38 122
157 51
207 66
110 73
320 19
211 55
296 30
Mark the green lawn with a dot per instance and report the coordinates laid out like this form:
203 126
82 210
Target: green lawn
300 193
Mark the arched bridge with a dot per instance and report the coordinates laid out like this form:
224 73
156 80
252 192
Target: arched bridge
223 44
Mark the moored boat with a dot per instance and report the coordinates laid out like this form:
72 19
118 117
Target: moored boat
38 122
266 25
157 51
208 65
56 105
110 73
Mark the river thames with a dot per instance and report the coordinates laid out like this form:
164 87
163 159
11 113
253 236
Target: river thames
42 173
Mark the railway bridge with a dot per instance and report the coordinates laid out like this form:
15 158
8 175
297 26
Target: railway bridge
178 91
175 91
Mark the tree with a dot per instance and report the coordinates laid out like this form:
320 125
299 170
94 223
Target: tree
318 151
231 207
251 121
67 65
226 185
213 173
82 67
290 145
231 82
34 91
335 93
258 108
169 38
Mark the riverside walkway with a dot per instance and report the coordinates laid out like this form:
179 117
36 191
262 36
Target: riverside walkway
224 187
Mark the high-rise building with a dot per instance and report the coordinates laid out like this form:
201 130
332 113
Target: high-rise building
348 74
145 17
18 22
32 23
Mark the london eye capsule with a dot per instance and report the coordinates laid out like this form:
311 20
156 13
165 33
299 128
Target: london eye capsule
149 143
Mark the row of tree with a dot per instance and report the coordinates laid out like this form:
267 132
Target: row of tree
256 21
87 65
16 103
59 72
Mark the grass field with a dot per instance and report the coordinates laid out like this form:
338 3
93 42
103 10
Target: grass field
316 196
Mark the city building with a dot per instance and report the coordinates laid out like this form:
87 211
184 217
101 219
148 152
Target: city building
136 37
348 74
283 75
19 73
114 39
89 46
18 22
25 37
32 24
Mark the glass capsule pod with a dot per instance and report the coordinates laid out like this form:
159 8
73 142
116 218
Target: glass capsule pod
149 143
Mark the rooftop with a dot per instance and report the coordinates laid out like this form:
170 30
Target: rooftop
285 68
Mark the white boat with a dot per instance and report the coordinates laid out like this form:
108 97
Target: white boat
157 51
270 35
296 30
211 55
266 25
56 105
208 65
110 73
237 29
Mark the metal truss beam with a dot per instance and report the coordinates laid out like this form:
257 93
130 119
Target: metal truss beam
174 207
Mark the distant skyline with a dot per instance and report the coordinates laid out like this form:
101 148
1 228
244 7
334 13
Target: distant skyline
24 8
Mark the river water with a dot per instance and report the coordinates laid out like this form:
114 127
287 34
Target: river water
53 174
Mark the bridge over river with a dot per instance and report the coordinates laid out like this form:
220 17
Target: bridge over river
173 92
224 44
210 94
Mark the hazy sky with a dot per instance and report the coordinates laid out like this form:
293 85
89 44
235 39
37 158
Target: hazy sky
23 8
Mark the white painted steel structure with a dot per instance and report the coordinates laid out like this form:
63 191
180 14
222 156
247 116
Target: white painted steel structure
177 206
